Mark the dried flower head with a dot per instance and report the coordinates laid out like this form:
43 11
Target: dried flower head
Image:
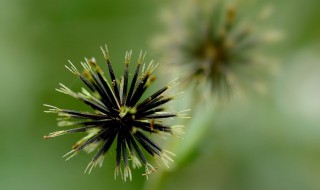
118 115
210 39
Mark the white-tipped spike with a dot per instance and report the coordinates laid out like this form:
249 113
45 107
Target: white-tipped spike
64 123
149 66
182 114
50 106
143 67
87 95
72 152
52 109
169 152
177 130
141 57
86 60
118 171
135 162
72 69
92 164
144 55
100 161
178 95
128 57
91 147
55 134
89 167
165 162
154 67
85 92
86 66
187 110
149 169
165 158
174 82
65 90
93 60
127 173
105 52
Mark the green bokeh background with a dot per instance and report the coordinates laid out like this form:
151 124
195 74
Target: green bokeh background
258 143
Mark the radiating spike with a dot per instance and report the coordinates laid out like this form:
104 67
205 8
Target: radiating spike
72 152
178 130
133 83
55 134
127 173
86 66
149 169
126 78
89 167
52 109
72 69
105 52
121 91
116 114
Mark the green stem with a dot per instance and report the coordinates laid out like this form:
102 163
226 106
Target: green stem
197 128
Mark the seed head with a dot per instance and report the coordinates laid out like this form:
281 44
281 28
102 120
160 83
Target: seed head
212 43
119 115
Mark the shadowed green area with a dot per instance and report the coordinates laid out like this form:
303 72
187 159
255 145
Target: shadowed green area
255 142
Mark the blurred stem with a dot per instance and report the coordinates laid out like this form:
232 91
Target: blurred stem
196 129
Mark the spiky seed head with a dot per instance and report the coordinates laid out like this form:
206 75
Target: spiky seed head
119 115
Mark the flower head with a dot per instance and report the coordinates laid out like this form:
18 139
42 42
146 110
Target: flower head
211 40
119 116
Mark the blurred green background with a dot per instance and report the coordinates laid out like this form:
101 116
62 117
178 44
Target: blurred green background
258 143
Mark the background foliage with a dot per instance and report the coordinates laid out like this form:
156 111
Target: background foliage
256 142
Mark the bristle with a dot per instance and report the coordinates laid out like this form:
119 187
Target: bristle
72 69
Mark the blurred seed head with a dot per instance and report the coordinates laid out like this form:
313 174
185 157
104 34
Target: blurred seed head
214 46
